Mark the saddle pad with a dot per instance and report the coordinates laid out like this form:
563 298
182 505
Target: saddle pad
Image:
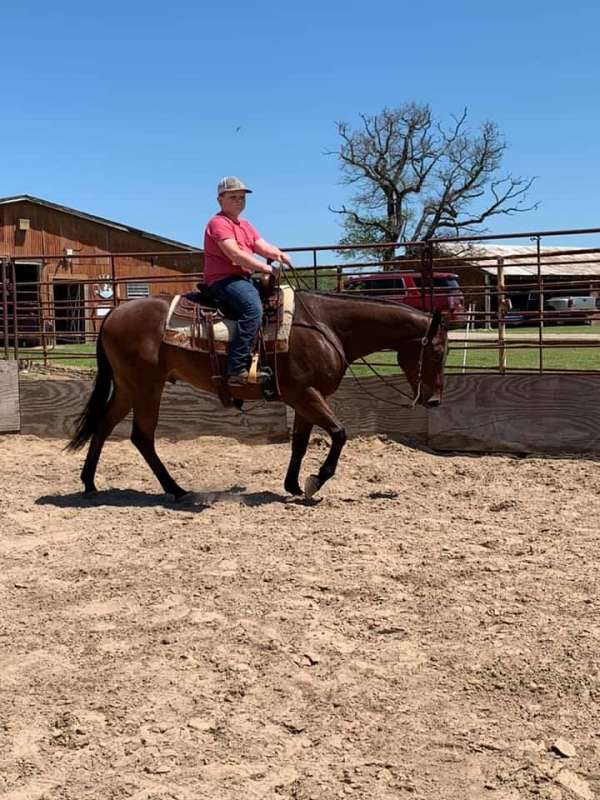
192 334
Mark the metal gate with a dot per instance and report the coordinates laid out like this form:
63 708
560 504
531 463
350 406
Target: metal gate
20 305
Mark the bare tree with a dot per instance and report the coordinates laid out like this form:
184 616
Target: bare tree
416 179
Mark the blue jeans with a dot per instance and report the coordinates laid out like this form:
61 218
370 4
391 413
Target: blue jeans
242 297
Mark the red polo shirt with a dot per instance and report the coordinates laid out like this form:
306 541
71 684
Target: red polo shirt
216 263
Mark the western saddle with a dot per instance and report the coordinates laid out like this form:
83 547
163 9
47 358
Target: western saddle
200 306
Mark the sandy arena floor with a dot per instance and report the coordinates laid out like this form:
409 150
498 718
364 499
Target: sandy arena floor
430 629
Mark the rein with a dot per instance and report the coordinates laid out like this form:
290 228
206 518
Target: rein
415 399
424 343
417 395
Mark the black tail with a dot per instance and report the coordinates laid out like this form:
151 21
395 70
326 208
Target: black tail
87 423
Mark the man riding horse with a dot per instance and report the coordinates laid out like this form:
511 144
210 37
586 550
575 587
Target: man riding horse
229 247
329 332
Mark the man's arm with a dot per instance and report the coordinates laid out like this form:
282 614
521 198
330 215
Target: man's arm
267 250
231 249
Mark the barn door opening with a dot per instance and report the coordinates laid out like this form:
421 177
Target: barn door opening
69 312
24 303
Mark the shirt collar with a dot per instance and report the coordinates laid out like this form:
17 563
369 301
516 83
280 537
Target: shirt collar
235 221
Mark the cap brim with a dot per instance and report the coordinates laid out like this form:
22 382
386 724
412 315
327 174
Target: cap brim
227 191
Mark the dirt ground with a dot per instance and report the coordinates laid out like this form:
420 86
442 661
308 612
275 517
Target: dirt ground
429 629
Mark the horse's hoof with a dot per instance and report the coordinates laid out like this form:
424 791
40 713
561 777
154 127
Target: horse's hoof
89 493
187 498
311 486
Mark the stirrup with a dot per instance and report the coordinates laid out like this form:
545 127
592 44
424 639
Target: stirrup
238 378
242 379
256 375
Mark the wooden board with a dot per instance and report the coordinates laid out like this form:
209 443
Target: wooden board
369 406
518 413
10 417
50 407
480 413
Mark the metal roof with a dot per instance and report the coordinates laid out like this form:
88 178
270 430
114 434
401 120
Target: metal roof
522 259
100 220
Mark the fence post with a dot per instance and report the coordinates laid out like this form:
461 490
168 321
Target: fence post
3 265
43 301
13 280
427 275
487 302
540 305
501 313
114 280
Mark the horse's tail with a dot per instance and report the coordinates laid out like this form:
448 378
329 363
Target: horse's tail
87 422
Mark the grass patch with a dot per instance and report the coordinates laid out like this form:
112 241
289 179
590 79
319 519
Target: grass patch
480 359
67 355
323 280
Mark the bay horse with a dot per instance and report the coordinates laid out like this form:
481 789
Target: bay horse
329 331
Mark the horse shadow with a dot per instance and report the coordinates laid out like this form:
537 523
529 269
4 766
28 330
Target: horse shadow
194 502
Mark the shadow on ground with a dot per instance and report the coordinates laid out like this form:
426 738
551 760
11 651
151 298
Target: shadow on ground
191 502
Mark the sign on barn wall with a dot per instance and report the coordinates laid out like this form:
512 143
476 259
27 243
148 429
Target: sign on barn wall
10 414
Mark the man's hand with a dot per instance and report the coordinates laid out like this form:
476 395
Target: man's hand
267 250
283 258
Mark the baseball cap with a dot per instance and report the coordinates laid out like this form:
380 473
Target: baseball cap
232 184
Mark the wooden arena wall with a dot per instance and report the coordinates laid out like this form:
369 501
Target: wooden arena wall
10 412
480 413
50 406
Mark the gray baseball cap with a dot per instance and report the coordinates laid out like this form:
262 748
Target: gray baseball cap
232 184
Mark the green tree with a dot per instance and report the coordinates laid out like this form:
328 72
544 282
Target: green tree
415 178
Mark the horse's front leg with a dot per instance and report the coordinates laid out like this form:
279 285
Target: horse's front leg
314 482
314 408
300 437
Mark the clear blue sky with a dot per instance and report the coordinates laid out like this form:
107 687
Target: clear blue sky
131 110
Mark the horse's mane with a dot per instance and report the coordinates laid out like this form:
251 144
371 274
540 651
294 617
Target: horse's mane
364 299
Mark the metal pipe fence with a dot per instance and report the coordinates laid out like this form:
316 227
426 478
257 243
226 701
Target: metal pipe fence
511 307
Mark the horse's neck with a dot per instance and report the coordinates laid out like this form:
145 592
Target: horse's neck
366 327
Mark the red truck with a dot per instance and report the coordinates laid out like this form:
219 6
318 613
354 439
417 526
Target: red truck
412 289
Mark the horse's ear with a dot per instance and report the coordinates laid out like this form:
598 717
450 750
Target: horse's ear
435 325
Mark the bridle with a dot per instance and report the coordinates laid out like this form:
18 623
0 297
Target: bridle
424 341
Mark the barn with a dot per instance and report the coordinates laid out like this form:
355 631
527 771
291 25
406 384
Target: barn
526 270
62 269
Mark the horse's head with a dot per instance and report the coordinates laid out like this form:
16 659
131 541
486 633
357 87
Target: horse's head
423 359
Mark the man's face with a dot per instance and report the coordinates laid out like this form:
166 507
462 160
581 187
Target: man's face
232 203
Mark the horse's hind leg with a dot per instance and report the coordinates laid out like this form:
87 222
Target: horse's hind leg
145 419
300 437
116 410
313 408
